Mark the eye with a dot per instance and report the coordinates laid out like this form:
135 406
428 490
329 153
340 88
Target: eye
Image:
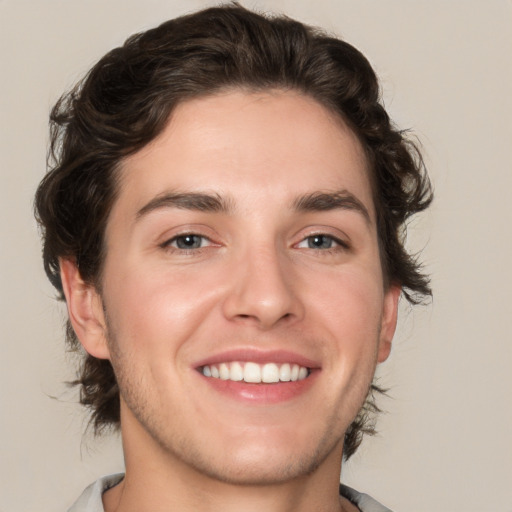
188 241
320 241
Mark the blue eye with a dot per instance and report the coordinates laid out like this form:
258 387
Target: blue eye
323 242
320 242
188 241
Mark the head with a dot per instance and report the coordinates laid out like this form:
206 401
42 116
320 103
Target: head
128 100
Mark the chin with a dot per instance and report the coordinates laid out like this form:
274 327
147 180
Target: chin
262 461
257 471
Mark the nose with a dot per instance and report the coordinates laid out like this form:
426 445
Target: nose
263 291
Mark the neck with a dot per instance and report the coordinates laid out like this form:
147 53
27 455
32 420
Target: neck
159 481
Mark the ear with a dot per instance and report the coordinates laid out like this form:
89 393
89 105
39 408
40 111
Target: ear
389 319
85 310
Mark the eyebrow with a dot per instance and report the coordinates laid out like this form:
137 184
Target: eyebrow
324 201
212 203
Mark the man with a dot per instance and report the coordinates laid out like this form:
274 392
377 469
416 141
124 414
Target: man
224 218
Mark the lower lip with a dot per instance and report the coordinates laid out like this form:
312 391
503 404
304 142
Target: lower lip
262 393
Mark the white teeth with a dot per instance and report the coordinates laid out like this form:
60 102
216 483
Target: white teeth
270 373
252 372
285 373
224 371
255 373
236 372
303 373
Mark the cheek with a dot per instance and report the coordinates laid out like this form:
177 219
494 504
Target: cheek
349 305
157 308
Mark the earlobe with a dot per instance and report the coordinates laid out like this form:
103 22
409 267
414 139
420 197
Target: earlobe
389 320
85 310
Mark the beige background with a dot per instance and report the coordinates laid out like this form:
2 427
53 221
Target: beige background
446 442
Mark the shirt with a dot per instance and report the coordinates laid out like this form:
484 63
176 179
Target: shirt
90 500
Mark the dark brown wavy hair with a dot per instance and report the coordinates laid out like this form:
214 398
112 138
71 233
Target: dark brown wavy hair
123 103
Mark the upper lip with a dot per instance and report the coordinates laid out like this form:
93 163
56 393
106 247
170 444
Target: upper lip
258 356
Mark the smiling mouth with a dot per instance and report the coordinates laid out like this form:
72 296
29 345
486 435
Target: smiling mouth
254 373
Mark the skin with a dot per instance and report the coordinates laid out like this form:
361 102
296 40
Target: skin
257 280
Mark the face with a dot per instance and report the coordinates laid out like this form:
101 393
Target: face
244 298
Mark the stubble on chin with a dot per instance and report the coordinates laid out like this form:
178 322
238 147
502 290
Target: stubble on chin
139 401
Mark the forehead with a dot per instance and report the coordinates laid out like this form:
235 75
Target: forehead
247 145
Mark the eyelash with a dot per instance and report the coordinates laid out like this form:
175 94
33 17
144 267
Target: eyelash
339 245
176 239
336 243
